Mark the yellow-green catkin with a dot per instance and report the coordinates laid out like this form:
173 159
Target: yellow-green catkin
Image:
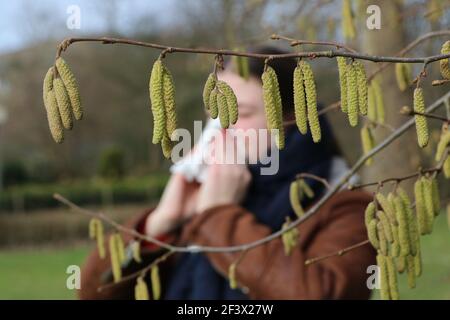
436 196
141 290
242 66
213 109
444 63
352 95
300 101
368 142
434 10
311 101
232 276
444 141
47 85
379 101
208 88
371 104
136 249
403 227
157 101
271 92
412 222
395 246
361 80
392 278
342 68
400 262
411 271
233 112
384 281
169 102
100 236
372 234
428 197
156 284
54 119
115 259
403 75
418 263
369 213
421 213
305 189
348 26
294 197
421 121
166 146
223 110
70 83
386 225
381 234
289 238
387 207
62 98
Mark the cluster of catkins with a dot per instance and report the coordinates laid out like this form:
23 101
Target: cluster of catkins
61 99
141 289
394 231
118 256
220 101
162 98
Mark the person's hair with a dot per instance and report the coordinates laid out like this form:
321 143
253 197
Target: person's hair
284 68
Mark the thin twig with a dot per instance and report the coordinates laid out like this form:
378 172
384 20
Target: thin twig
307 54
410 112
295 42
340 252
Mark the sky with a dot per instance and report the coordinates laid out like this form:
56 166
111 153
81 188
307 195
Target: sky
25 21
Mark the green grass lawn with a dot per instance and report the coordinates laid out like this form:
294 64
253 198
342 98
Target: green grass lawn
38 273
41 273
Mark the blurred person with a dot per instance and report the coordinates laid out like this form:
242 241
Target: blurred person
236 205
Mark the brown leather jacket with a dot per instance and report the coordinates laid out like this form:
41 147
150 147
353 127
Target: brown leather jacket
265 272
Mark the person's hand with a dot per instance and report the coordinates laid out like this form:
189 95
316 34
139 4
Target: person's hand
225 184
177 204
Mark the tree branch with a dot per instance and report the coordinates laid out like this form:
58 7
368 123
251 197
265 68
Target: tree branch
340 252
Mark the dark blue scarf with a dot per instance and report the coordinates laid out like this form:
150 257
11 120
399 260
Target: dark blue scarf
268 199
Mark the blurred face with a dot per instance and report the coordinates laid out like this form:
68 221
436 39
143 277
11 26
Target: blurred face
252 116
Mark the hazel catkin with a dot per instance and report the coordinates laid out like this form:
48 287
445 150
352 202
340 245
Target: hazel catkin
386 226
348 26
300 101
157 101
156 284
421 213
54 118
342 68
444 63
169 102
392 278
352 95
213 108
208 88
379 101
136 249
372 234
294 197
62 98
223 110
361 81
141 290
384 281
271 93
368 142
115 258
232 276
427 190
421 121
403 75
403 227
70 84
311 101
233 112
